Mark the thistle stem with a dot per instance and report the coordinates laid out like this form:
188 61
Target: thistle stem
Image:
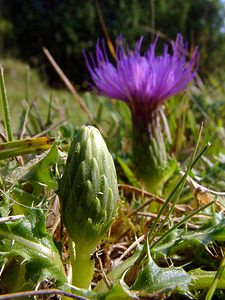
82 265
149 150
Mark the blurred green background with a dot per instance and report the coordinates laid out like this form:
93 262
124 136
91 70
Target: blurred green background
66 27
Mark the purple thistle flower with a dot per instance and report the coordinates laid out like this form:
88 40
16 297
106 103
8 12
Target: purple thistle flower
145 79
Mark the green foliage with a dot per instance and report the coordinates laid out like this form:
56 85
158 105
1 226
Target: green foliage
26 247
41 171
152 279
37 257
196 243
187 243
130 176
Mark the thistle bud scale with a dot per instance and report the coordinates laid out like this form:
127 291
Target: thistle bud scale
88 188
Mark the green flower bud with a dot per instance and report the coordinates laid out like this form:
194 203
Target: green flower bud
88 189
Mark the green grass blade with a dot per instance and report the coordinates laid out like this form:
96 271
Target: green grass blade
5 107
218 277
195 212
21 147
27 84
178 189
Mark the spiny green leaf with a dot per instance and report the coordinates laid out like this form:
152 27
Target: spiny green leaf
29 240
153 278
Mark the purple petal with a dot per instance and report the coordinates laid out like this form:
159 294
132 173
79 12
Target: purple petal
145 79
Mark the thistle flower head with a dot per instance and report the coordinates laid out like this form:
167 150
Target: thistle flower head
145 79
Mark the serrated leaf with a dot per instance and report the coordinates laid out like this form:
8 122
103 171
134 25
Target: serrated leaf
28 240
153 278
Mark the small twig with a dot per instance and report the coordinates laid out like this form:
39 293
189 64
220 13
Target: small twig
3 264
38 115
104 29
56 224
10 218
73 91
50 128
129 249
23 130
120 246
152 4
40 293
139 191
53 210
178 135
68 84
4 139
199 188
152 215
146 194
105 278
136 210
157 33
165 125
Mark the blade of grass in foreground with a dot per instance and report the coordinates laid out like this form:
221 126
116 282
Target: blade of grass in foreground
217 278
27 146
5 107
